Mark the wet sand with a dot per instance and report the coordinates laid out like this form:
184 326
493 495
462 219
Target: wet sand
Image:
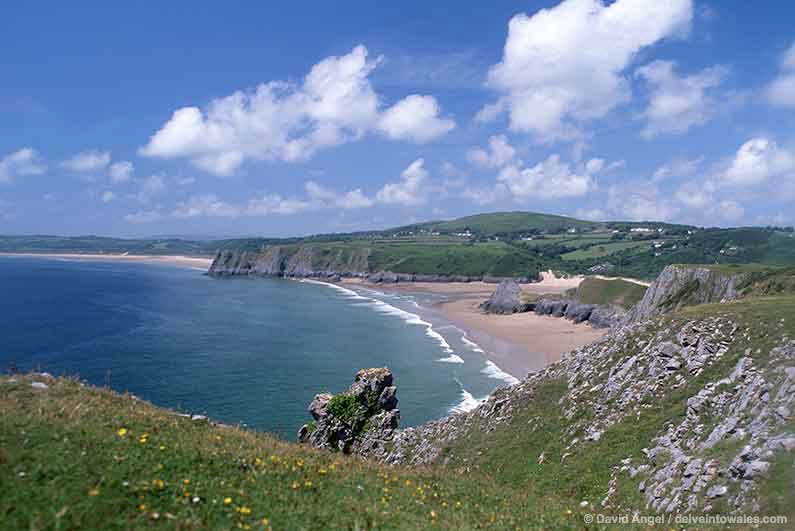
519 343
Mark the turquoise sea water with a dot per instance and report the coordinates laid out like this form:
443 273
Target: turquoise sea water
250 351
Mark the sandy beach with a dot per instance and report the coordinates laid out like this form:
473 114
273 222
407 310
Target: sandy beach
519 343
185 261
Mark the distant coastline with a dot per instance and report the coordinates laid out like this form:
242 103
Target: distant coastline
177 260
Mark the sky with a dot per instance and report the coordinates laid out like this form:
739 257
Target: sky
277 119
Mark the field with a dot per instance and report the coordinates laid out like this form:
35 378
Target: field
613 291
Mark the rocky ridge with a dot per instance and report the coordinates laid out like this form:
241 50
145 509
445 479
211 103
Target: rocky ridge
680 285
745 403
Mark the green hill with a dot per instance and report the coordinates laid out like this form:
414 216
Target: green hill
509 223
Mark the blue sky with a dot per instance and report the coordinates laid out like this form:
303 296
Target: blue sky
287 119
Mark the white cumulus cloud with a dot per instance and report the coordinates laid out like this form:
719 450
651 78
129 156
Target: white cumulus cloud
205 205
22 162
549 179
108 196
328 197
87 161
781 91
121 172
498 154
759 160
415 118
565 65
677 103
334 104
410 190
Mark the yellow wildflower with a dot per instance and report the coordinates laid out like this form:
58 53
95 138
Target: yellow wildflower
227 501
158 483
142 507
433 514
245 510
295 485
93 492
308 484
121 432
162 447
322 471
264 521
186 482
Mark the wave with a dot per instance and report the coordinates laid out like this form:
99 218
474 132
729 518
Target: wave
349 292
471 344
493 371
387 309
467 403
452 358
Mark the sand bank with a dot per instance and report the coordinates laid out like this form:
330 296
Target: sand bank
189 261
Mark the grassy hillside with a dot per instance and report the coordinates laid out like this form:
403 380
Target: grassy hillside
81 457
609 291
74 457
509 223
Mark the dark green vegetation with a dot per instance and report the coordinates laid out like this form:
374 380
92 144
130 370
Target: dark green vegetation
505 244
609 291
74 457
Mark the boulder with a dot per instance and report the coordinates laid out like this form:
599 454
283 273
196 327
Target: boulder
506 299
607 316
578 312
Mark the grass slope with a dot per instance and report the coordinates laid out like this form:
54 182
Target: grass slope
80 457
609 291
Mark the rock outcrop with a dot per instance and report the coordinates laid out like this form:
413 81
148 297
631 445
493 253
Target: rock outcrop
740 409
361 420
682 285
506 299
597 315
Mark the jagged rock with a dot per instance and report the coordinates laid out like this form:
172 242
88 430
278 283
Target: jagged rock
506 299
607 316
717 491
360 420
755 469
679 285
579 312
318 405
555 308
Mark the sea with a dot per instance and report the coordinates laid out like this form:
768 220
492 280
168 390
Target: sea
245 351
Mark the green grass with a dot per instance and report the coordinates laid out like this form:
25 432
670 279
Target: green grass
614 291
602 250
509 222
74 457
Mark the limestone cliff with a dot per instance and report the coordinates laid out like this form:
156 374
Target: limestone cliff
298 261
683 285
